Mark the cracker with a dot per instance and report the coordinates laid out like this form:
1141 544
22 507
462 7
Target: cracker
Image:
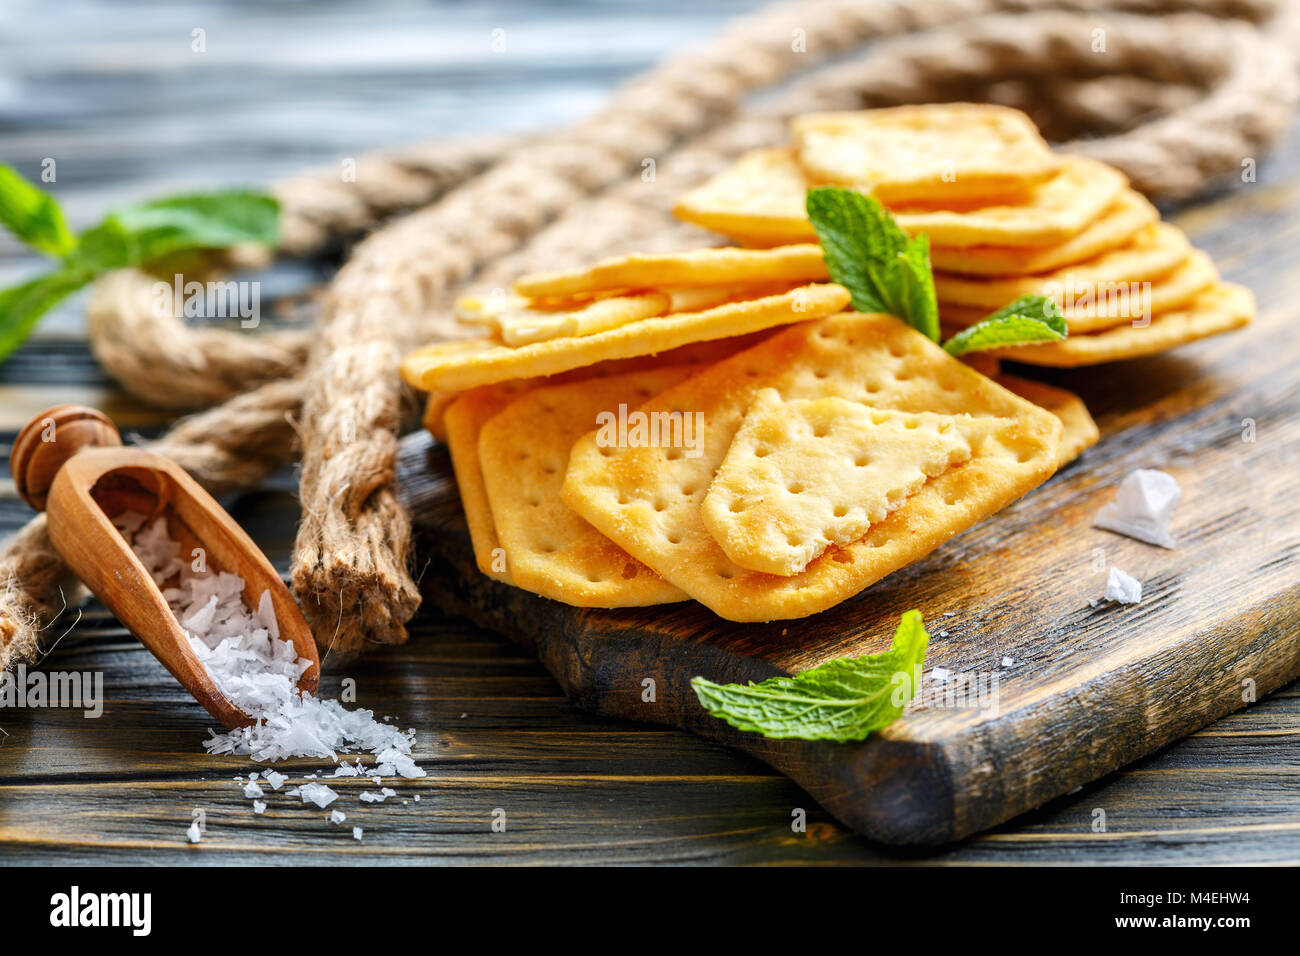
1154 251
804 475
460 364
463 421
1107 305
550 550
935 152
723 266
519 321
649 501
1117 225
1221 308
760 202
1078 431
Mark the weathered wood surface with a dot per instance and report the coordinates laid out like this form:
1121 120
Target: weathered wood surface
493 728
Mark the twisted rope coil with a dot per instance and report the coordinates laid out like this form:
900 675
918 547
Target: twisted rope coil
1173 101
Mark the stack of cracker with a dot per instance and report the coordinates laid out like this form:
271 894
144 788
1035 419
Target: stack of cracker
711 425
1005 217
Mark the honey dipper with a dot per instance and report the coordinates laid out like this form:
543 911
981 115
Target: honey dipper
70 463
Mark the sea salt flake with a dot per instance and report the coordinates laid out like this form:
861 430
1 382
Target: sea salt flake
318 794
259 806
276 780
370 796
253 790
356 833
1007 662
337 816
194 834
1122 587
1142 507
940 674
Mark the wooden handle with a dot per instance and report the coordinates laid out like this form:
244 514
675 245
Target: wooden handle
49 440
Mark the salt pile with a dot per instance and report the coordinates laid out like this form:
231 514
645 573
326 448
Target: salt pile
250 663
1142 507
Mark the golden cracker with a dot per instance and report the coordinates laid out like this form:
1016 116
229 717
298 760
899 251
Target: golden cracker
459 365
1118 303
1154 251
1221 308
760 202
518 321
805 475
699 267
1078 431
523 452
936 152
1117 225
649 500
463 421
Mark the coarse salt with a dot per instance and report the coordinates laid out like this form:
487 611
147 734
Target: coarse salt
337 816
1142 507
253 790
259 806
318 794
1122 587
356 833
194 833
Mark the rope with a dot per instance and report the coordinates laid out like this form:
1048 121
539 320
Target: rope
1183 92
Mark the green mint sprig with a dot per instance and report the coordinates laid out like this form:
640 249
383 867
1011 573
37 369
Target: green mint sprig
886 271
842 700
134 235
1031 318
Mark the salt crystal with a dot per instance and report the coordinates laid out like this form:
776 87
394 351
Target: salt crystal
1142 507
1007 662
388 792
369 796
356 833
253 790
337 816
345 770
417 798
259 806
276 780
1122 587
194 833
318 794
941 674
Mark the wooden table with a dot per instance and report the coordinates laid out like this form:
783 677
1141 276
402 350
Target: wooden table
127 111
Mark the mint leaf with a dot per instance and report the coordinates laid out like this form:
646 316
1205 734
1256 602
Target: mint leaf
868 254
920 303
1031 318
22 306
32 216
205 221
841 700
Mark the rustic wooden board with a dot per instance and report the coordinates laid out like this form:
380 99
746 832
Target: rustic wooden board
1091 687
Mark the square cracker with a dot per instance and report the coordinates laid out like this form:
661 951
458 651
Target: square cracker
523 451
804 475
1220 308
1099 305
518 321
936 152
698 267
458 365
1123 219
1078 431
462 422
760 201
1155 251
435 410
649 500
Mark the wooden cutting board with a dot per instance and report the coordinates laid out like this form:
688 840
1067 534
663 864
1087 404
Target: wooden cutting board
1089 687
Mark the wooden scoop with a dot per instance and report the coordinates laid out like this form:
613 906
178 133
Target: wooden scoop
69 462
